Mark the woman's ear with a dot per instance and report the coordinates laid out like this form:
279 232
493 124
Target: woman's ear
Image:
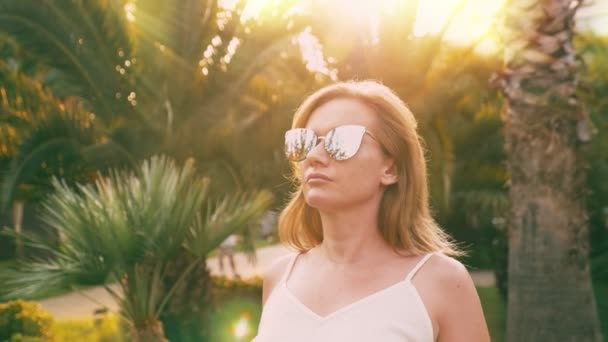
389 173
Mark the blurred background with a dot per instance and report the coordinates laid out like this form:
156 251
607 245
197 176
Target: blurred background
137 136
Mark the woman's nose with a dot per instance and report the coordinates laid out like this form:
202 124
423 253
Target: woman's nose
318 153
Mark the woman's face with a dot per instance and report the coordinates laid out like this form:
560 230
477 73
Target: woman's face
354 181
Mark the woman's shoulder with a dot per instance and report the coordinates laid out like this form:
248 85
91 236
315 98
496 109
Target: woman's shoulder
446 287
444 277
278 266
446 268
274 272
451 297
445 274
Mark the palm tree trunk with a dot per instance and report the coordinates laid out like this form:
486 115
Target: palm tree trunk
550 291
149 331
186 317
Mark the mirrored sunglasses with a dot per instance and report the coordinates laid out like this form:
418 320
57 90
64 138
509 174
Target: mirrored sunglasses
340 143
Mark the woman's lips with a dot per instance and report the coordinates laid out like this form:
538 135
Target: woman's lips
317 177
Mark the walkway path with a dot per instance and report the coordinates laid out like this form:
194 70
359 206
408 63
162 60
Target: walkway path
82 304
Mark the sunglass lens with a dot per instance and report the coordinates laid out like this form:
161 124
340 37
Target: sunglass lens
298 142
343 142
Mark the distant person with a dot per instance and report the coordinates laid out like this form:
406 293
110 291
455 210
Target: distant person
371 263
226 249
268 225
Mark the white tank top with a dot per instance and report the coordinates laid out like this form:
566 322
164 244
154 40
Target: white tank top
393 314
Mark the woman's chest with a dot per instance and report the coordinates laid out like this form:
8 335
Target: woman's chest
326 292
391 316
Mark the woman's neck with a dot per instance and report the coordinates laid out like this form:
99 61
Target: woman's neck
351 237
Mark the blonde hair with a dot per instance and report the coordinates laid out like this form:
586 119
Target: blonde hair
404 217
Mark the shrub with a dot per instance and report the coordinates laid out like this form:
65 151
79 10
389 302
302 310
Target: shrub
106 329
24 321
224 289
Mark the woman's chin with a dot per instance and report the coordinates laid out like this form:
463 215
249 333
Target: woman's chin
318 202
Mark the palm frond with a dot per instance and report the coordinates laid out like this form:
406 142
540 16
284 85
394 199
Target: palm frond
85 40
58 144
126 224
33 280
226 216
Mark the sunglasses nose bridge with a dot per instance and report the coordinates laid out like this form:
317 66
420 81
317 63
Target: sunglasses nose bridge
314 153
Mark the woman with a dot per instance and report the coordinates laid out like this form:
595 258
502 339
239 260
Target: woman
372 265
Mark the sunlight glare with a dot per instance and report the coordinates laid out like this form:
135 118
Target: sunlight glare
363 9
241 328
312 53
474 20
252 9
130 10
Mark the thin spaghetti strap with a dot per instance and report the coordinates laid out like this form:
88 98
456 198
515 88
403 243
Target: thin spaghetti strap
290 267
417 267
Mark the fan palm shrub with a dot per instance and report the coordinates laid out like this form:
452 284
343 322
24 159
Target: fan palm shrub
131 227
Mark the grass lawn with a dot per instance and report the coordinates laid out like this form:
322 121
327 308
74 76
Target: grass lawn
495 311
601 297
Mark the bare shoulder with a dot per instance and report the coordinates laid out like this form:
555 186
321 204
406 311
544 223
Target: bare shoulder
448 271
440 280
444 277
273 274
449 293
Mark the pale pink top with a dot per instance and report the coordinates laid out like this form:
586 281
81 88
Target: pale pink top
393 314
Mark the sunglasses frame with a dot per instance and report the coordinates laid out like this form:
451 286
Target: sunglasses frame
317 138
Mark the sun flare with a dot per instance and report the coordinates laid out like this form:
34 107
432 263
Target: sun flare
474 19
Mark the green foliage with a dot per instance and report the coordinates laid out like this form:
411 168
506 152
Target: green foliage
41 137
235 302
131 227
594 93
224 289
24 321
495 312
82 42
142 79
601 296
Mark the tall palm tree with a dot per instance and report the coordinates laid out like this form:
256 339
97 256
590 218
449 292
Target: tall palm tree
158 76
131 228
550 290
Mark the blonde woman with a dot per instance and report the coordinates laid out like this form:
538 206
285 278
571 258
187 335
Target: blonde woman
372 265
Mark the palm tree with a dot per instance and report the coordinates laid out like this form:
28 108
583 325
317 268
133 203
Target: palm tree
131 228
159 77
40 137
550 290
